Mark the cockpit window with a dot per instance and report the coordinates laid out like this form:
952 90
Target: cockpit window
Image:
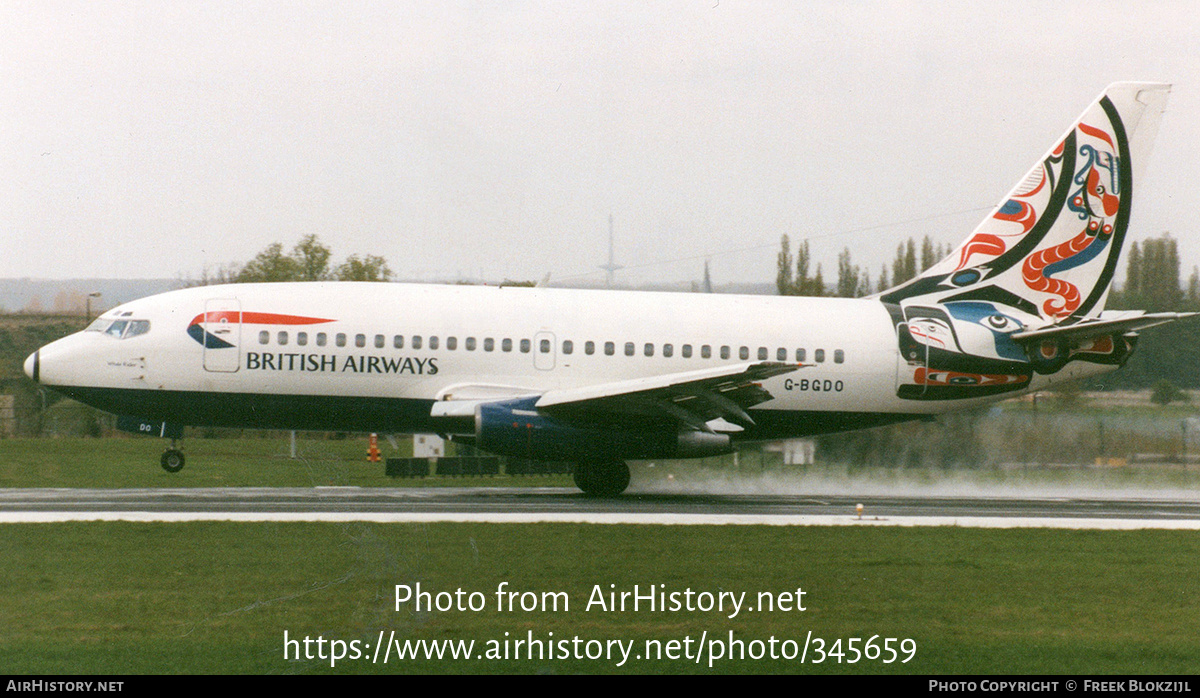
137 327
120 329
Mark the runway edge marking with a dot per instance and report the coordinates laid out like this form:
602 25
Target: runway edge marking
612 519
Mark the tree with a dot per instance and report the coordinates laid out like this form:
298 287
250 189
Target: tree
308 261
1133 275
1152 276
805 286
312 259
928 256
783 272
801 283
797 283
905 265
849 276
369 268
270 265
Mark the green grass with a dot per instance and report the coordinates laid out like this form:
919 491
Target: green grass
263 461
217 597
226 462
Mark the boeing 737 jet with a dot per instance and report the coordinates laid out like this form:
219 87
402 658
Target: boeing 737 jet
603 377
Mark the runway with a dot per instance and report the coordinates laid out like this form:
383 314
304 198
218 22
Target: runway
548 504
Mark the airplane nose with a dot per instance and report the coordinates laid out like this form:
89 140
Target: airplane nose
33 366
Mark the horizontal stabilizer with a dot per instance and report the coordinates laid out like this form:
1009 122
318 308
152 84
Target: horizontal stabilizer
1108 322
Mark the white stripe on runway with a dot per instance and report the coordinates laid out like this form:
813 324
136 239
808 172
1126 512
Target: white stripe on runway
613 518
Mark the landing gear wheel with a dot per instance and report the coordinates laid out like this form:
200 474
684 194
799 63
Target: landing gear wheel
172 460
602 479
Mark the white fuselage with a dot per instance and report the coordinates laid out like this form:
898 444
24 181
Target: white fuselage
350 342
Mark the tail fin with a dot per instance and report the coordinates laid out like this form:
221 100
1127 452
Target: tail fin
1051 247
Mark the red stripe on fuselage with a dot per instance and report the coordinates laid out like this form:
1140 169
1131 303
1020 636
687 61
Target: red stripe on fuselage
256 318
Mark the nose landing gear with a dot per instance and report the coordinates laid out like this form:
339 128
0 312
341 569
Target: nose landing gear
172 459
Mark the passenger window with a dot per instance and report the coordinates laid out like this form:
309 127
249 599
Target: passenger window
506 344
648 349
781 354
686 351
609 348
628 348
800 354
302 339
668 350
744 353
416 341
379 341
544 346
725 351
433 342
282 339
819 355
524 346
321 339
470 344
340 339
839 356
762 353
264 337
398 341
452 343
589 348
568 346
489 344
705 351
360 340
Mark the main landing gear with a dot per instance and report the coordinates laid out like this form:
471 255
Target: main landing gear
172 459
602 478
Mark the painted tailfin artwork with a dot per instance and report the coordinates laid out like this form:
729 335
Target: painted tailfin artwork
999 308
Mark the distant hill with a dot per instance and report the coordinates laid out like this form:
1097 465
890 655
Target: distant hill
69 296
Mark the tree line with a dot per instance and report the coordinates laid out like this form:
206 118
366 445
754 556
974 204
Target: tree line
309 260
793 276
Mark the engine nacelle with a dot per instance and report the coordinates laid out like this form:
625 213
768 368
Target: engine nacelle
516 428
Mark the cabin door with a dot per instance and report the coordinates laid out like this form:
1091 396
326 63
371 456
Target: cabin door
222 335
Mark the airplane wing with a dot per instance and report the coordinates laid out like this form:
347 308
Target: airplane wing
1107 323
693 399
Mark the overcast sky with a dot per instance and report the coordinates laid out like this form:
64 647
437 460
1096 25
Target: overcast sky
494 138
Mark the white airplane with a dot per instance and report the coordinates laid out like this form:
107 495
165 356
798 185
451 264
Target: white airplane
601 377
